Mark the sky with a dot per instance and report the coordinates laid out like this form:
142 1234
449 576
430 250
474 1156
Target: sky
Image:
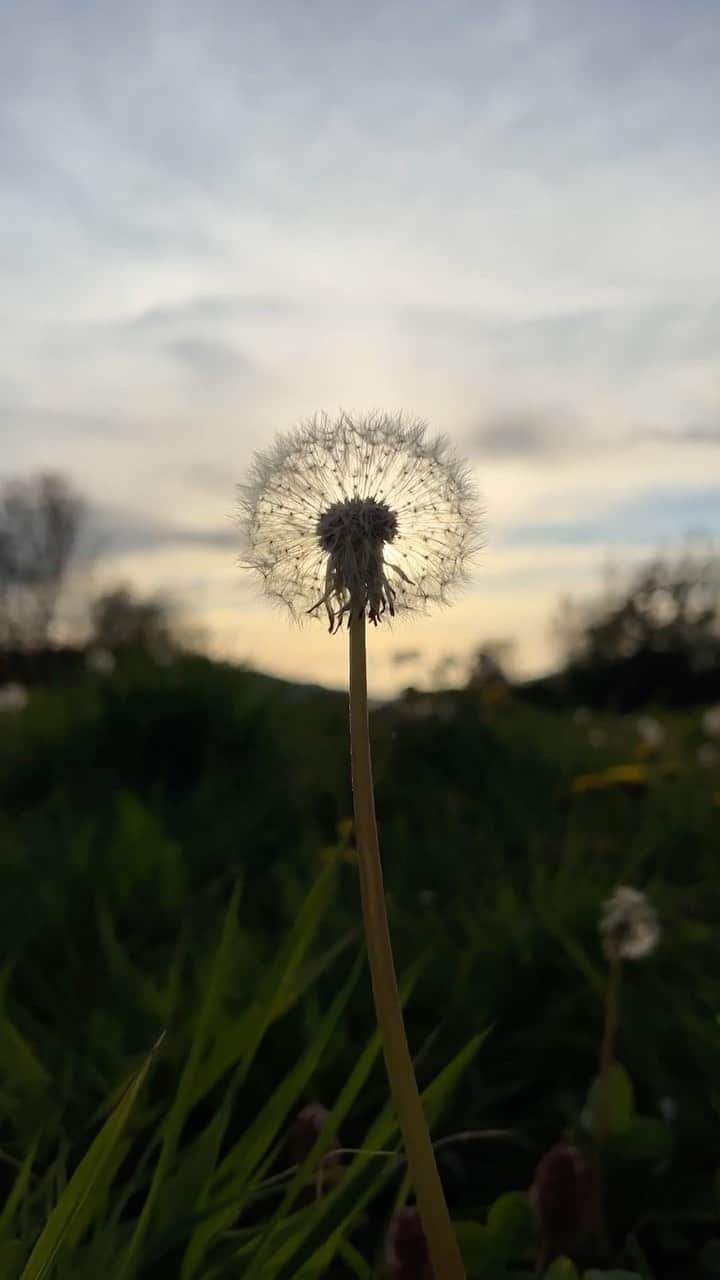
500 217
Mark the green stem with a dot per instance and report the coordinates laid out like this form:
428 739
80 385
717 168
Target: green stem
598 1216
442 1245
612 1011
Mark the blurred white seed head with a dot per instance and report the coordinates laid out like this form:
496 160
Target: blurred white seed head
13 697
629 925
711 721
650 731
360 514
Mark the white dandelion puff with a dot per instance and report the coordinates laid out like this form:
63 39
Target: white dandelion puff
13 697
711 721
629 925
651 732
359 515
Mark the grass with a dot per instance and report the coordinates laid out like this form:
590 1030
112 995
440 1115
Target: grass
176 862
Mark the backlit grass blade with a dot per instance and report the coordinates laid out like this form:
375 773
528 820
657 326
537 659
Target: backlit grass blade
17 1192
275 992
349 1093
248 1153
173 1126
76 1196
318 1240
18 1059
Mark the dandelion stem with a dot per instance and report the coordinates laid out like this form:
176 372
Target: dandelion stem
442 1245
612 1010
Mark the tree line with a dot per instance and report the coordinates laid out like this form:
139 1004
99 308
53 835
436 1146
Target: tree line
44 582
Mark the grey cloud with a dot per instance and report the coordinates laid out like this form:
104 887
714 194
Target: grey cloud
701 435
697 433
206 309
549 437
616 339
118 530
15 417
523 435
210 358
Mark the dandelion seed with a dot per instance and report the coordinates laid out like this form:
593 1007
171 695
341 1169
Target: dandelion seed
629 925
361 515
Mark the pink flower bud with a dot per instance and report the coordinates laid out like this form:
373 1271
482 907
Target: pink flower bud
308 1123
406 1251
559 1196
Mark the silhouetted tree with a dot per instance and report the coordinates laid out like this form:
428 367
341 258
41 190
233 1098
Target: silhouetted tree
121 621
41 518
654 637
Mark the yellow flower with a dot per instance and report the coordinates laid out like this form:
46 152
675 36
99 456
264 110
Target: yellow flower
617 775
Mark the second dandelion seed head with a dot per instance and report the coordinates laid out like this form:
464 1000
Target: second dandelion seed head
629 925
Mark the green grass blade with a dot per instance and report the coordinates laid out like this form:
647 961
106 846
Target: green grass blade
248 1153
317 1241
76 1196
173 1126
18 1061
276 991
17 1193
350 1091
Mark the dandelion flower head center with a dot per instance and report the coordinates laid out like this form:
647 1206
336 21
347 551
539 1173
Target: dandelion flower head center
355 524
352 533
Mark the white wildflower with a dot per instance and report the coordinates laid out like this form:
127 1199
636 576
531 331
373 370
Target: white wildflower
711 721
13 697
650 731
360 514
629 925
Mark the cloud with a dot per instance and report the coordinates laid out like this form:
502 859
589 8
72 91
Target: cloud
698 433
553 437
207 310
55 423
118 531
660 515
210 358
525 435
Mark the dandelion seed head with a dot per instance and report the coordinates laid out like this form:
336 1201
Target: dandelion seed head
629 925
359 514
711 721
13 697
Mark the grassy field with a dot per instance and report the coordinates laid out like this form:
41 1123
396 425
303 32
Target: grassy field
183 972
